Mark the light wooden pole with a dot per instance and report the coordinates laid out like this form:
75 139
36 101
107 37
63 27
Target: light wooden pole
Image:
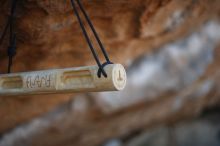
80 79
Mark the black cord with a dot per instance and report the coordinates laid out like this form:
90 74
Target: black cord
12 38
101 66
12 41
94 31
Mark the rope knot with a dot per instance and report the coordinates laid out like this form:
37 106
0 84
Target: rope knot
101 70
12 47
11 51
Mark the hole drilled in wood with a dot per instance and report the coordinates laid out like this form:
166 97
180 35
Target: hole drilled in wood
80 78
11 82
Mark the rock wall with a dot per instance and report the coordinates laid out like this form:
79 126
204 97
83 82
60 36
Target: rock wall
169 47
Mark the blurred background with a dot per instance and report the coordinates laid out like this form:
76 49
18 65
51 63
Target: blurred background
170 49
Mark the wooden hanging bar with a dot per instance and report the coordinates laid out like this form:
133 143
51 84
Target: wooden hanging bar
80 79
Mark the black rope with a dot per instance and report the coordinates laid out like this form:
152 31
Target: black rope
101 70
94 31
12 36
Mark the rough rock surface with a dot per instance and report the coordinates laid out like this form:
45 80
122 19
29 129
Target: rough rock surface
170 49
192 133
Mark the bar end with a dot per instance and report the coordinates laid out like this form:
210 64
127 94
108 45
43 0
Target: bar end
119 77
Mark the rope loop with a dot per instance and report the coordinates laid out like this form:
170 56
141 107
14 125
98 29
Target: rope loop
101 70
88 40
